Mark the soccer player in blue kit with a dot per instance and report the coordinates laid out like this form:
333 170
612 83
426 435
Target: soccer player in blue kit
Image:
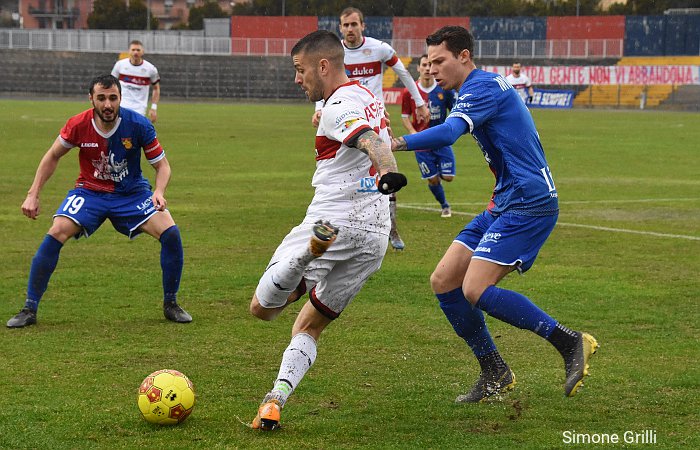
508 235
439 164
110 186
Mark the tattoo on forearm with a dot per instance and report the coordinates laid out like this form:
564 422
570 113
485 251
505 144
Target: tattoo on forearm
399 144
378 151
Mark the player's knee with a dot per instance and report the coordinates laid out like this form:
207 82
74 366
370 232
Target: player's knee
257 310
440 282
434 181
472 291
447 178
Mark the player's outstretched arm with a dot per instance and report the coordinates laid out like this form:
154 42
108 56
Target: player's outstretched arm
47 166
383 160
163 172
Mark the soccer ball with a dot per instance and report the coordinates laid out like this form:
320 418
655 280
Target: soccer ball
166 397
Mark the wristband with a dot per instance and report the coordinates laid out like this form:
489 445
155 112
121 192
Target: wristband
154 106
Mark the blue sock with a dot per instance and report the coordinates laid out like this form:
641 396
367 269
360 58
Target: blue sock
439 194
467 321
171 261
517 310
43 265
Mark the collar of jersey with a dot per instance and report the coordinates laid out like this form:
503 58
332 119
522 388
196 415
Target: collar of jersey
111 132
354 48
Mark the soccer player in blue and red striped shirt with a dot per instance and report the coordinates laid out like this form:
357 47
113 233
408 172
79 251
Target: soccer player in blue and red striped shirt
110 186
508 235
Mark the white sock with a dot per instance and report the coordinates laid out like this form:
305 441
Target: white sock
392 211
296 361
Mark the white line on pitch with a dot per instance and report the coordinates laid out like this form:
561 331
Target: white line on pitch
565 224
578 202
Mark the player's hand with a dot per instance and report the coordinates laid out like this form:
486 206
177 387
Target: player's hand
529 99
398 144
30 206
159 201
423 114
388 123
153 115
316 118
391 182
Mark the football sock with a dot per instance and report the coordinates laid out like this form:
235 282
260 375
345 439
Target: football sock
467 321
492 363
43 265
564 340
296 361
171 261
439 194
392 211
517 310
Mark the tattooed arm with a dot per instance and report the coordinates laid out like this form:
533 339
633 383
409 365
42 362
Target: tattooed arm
378 151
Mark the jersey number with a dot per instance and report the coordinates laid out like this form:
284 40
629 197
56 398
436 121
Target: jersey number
74 204
547 174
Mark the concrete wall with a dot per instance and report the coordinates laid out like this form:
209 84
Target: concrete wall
68 73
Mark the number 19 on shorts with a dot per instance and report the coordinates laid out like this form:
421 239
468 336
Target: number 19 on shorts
73 204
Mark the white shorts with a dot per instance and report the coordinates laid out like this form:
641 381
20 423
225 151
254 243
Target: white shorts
334 278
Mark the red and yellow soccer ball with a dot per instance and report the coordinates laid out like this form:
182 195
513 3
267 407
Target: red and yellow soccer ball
166 397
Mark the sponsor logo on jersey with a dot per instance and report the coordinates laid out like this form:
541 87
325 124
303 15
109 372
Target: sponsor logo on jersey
368 184
367 51
441 96
126 142
349 123
483 249
89 144
368 69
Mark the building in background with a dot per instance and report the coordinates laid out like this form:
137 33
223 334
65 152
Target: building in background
73 14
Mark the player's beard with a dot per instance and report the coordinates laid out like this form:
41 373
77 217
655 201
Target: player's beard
315 91
516 73
100 114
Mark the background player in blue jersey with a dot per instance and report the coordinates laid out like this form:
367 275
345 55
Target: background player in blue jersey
438 164
509 234
110 186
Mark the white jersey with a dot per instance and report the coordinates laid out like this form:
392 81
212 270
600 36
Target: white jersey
345 180
366 65
521 84
135 82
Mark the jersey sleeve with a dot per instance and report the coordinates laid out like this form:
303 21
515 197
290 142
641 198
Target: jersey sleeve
151 147
475 105
387 54
343 120
115 70
155 76
69 134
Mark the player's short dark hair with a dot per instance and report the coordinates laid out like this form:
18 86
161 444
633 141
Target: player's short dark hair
135 42
455 38
323 44
424 55
106 81
349 10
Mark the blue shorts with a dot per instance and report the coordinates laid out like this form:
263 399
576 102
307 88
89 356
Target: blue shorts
436 162
88 209
509 239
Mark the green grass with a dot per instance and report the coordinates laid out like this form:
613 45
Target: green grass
389 369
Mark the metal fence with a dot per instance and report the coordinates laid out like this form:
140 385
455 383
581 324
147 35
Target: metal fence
195 43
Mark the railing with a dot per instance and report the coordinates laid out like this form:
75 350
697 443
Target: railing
169 42
163 42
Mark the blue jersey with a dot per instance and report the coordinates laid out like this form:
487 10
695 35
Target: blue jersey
503 128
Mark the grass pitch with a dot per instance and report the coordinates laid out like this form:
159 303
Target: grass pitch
623 264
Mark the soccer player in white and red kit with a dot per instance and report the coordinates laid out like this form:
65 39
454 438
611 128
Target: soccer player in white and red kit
365 58
343 238
521 83
136 76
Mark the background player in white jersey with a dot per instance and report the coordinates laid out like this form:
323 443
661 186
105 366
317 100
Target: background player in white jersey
343 238
521 83
136 76
365 58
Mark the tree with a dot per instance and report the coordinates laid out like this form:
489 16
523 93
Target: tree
209 10
114 15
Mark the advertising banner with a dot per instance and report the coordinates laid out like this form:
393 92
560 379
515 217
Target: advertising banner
606 75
